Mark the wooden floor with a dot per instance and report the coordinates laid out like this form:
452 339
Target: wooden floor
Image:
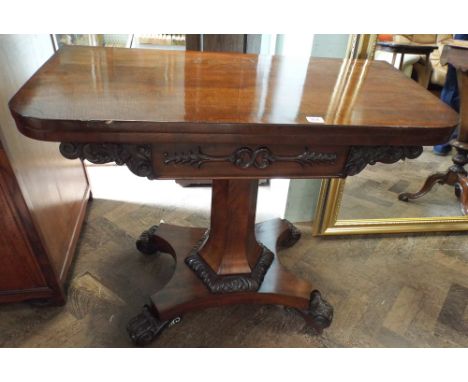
388 291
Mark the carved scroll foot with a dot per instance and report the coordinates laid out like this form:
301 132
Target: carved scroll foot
292 236
320 312
146 243
145 327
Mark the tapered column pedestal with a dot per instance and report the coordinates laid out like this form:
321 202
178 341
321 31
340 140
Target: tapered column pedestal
234 262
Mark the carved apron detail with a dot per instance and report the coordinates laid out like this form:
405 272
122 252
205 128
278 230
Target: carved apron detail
246 157
136 157
360 156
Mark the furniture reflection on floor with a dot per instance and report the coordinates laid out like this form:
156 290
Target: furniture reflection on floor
217 125
456 175
43 197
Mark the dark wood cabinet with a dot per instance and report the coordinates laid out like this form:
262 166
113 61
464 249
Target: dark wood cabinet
240 43
43 196
21 250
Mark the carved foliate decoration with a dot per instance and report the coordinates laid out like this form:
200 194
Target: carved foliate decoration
319 315
246 157
136 157
360 156
145 327
229 284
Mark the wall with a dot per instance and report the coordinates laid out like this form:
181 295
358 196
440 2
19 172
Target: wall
303 193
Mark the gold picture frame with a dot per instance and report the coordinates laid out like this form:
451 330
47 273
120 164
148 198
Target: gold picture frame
326 222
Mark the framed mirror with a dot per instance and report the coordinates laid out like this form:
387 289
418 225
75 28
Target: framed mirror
368 203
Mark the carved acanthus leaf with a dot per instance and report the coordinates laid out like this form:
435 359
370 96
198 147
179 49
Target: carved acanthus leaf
136 157
360 156
229 284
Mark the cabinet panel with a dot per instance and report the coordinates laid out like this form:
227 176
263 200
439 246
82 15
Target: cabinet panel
18 267
53 190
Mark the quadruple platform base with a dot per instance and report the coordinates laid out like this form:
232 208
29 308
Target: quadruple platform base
186 291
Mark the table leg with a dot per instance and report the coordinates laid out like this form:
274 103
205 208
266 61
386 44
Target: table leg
428 71
234 262
401 61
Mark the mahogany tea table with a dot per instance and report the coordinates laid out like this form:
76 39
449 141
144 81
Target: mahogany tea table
233 118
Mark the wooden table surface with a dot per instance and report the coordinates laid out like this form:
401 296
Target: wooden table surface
144 95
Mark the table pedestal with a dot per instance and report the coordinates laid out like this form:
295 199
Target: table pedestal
234 262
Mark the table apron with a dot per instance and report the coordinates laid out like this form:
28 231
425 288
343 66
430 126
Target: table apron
209 161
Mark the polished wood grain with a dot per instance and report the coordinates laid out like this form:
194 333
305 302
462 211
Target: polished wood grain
231 247
20 272
231 251
110 94
185 292
51 193
244 44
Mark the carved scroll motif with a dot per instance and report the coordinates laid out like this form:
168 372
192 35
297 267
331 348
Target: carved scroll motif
136 157
246 157
360 156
